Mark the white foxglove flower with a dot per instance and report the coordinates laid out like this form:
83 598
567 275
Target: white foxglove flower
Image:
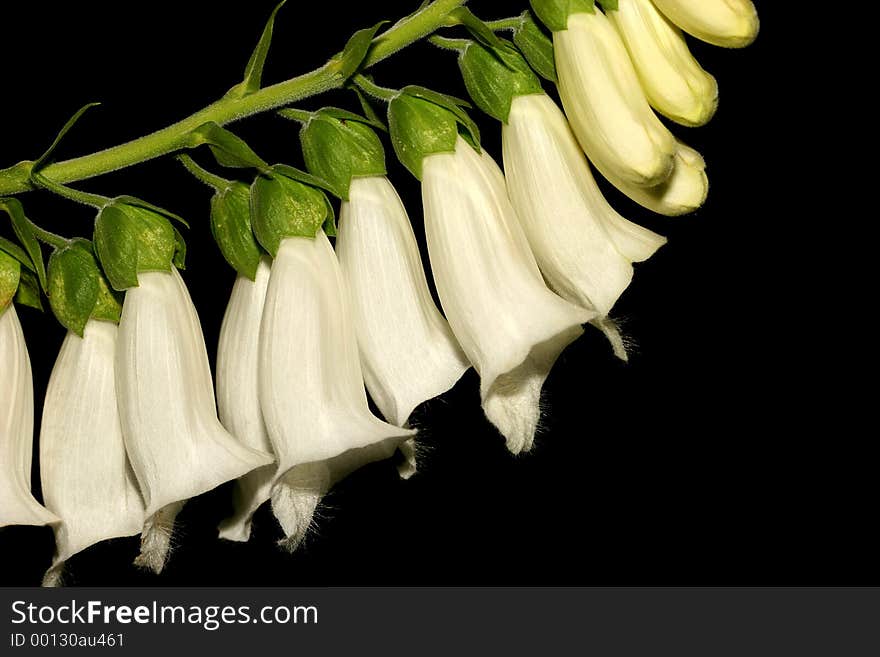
684 191
177 446
87 480
311 386
408 352
510 325
238 399
674 82
727 23
17 505
584 248
606 106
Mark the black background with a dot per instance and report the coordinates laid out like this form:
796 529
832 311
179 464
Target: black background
723 453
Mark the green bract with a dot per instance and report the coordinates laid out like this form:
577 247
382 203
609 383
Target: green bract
284 205
231 227
78 290
131 238
10 273
338 146
424 122
495 76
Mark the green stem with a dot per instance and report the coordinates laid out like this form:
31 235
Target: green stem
447 43
226 110
203 175
46 237
94 200
513 23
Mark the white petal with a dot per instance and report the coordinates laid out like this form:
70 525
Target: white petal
238 398
408 352
685 191
573 231
87 480
17 505
605 103
177 446
727 23
510 325
311 387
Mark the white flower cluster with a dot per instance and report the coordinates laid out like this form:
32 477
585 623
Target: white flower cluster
521 259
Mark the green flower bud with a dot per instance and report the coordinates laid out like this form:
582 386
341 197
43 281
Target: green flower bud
424 122
494 77
283 205
231 227
338 146
10 274
130 239
78 290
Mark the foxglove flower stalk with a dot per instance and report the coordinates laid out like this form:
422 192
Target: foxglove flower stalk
177 446
684 191
726 23
606 105
584 248
408 352
674 82
311 386
86 477
510 325
17 505
238 398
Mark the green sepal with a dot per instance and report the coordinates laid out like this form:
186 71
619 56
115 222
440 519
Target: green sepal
78 290
139 203
232 229
21 225
338 146
29 291
494 77
228 149
16 252
10 275
554 13
608 5
300 176
282 207
352 57
536 47
130 239
425 122
369 112
179 259
329 225
253 74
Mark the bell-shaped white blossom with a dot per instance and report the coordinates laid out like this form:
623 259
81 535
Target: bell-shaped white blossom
408 352
17 505
311 385
673 80
606 105
684 191
510 325
86 477
726 23
175 442
584 248
238 399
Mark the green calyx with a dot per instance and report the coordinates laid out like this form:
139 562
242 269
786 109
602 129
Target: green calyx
10 275
286 203
536 47
78 290
424 122
132 236
554 13
339 145
232 228
494 76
